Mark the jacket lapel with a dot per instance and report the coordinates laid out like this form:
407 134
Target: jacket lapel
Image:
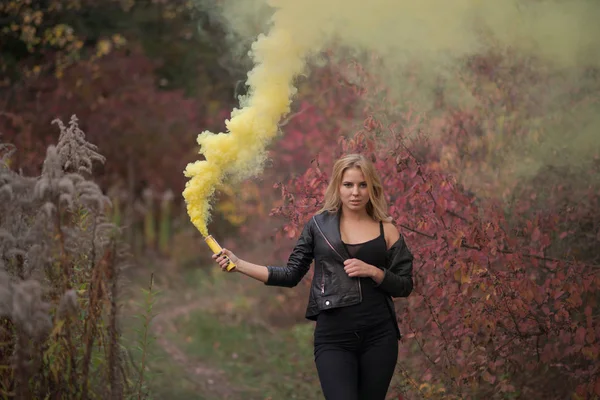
330 225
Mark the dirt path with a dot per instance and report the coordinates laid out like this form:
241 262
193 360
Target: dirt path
210 381
175 301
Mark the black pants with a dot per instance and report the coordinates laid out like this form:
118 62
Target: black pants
357 365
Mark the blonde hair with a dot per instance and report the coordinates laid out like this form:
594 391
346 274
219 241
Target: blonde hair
377 205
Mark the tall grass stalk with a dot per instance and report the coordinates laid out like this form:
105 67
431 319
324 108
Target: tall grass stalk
145 339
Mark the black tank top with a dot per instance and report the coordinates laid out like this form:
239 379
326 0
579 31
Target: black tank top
373 309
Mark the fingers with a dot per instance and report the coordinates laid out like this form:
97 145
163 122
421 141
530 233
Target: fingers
356 269
222 259
350 270
232 257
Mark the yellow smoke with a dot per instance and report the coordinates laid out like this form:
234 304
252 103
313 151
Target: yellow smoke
402 31
433 33
279 58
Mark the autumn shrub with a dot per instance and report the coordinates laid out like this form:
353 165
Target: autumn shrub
60 267
506 270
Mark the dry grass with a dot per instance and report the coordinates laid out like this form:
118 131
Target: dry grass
60 268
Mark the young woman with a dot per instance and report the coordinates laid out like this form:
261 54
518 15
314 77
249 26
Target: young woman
361 262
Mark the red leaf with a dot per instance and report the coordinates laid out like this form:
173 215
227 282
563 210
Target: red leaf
580 336
291 232
581 391
488 377
535 236
545 309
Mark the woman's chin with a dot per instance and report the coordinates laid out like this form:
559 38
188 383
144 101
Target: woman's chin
355 206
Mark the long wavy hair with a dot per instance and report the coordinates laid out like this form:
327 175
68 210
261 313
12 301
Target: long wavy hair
377 205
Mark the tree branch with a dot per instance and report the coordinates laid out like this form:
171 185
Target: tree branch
294 115
408 228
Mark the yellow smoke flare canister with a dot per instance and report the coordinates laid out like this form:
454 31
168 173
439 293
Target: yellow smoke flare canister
217 249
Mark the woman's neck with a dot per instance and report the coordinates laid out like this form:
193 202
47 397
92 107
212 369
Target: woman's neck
354 216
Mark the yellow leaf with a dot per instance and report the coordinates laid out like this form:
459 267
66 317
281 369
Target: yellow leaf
457 275
58 327
453 372
425 387
59 30
465 278
103 47
118 40
461 276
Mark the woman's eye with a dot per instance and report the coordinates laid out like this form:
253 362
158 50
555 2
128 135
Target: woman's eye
363 185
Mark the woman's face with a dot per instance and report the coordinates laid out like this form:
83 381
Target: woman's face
354 191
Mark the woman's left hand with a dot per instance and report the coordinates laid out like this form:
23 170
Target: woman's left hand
356 268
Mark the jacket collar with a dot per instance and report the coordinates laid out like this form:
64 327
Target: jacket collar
329 222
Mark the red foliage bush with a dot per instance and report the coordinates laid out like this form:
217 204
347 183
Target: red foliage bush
505 299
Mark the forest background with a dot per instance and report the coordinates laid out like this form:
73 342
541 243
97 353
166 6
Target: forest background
498 198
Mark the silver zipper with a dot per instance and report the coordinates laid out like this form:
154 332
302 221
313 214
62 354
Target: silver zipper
359 290
322 268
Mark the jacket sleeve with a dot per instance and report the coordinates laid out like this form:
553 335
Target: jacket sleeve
298 263
397 278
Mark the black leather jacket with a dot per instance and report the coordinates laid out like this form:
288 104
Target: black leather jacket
331 287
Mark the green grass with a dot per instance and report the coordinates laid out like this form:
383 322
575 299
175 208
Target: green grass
164 378
168 380
259 363
266 363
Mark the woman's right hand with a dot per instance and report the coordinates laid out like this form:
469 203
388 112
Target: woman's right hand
223 259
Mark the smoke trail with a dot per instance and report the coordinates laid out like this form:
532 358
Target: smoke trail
279 58
437 34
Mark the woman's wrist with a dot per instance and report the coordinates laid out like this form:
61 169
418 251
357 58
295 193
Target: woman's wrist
239 265
377 275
